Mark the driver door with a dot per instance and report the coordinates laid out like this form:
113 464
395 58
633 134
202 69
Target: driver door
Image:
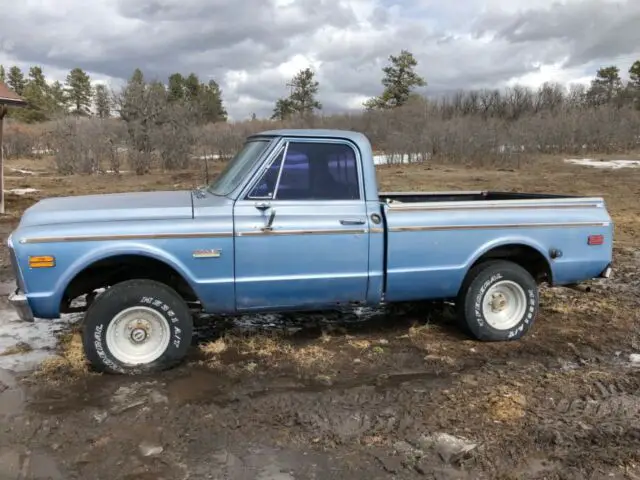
302 232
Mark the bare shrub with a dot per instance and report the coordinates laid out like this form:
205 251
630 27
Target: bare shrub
20 140
484 128
82 144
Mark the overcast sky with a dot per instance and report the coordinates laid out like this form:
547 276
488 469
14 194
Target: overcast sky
253 47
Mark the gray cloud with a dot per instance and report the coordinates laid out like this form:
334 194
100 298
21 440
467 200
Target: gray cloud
252 47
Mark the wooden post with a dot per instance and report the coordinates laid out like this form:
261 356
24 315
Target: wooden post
3 112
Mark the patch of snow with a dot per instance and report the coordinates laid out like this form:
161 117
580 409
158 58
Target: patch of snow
39 335
607 164
22 191
392 159
20 170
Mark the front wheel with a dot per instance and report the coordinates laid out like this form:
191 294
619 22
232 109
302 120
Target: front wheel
498 301
137 326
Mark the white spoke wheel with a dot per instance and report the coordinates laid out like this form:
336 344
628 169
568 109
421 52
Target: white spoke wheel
498 301
137 326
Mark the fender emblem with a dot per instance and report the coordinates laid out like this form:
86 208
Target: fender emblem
209 253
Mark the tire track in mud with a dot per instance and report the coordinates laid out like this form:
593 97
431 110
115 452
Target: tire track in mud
618 400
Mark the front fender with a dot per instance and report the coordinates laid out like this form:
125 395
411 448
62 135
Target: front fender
107 251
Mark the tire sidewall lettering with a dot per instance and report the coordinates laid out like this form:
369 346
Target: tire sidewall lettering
164 301
476 292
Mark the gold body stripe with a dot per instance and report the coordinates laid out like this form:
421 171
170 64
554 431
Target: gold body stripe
335 231
132 236
498 226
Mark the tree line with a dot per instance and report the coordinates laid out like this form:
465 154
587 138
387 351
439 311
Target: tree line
181 122
78 96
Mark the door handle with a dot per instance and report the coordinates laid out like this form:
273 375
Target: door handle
352 221
262 206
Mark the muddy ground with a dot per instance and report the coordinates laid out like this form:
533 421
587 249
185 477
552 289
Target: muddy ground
400 393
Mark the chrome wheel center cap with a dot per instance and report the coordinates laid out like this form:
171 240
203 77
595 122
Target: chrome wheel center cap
138 335
498 302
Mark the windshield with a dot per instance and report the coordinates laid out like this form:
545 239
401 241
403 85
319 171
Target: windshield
238 168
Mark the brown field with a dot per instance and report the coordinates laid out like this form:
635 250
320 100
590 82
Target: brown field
333 396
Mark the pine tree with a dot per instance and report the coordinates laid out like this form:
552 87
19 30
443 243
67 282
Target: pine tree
36 93
79 91
606 87
16 80
3 75
302 100
399 81
59 99
102 101
305 88
210 106
176 87
283 109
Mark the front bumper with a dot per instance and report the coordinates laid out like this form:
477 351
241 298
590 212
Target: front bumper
21 305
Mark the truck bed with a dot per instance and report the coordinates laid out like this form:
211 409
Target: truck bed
433 238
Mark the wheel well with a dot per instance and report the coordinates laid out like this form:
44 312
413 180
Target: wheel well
527 257
109 271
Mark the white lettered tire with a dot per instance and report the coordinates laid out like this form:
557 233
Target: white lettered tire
498 301
135 327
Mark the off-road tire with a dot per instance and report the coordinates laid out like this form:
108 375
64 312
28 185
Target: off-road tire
132 293
476 285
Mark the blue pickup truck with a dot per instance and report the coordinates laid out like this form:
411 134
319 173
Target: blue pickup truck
295 222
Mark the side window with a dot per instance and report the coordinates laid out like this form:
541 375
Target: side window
319 171
266 187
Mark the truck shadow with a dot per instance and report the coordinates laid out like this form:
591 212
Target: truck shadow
309 326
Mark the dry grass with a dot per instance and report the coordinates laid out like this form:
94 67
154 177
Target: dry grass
268 350
20 347
506 405
70 362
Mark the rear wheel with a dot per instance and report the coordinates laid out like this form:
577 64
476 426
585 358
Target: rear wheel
498 301
137 326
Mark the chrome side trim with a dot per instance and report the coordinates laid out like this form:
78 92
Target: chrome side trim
377 230
327 231
434 208
133 236
497 226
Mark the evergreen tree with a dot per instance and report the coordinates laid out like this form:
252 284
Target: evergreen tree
210 106
305 89
59 99
399 81
79 91
302 100
3 75
16 80
102 101
634 83
283 109
37 95
176 87
606 87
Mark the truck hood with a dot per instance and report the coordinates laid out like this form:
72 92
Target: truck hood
110 207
